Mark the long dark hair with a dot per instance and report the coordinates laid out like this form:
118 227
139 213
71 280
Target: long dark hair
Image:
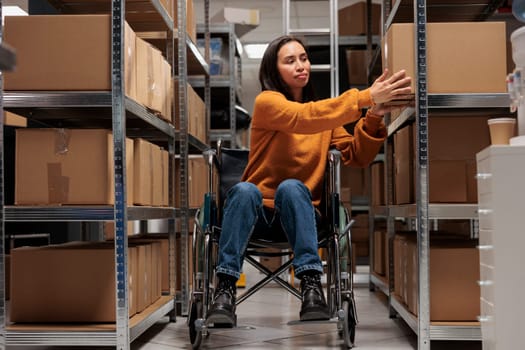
269 76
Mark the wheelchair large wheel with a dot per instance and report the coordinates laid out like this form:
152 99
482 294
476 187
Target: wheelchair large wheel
348 324
195 314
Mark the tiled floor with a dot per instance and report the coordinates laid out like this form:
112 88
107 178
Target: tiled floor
263 323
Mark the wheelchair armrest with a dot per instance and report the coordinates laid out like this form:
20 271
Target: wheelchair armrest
334 165
212 160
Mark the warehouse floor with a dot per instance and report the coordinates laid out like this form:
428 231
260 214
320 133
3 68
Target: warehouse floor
263 323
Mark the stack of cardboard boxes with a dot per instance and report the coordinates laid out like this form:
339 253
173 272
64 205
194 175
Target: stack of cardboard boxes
461 58
75 166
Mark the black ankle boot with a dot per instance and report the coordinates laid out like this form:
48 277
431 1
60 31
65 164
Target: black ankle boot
222 311
313 305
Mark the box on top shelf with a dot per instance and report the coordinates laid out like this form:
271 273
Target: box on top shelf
66 52
153 75
67 166
461 57
244 19
73 53
353 19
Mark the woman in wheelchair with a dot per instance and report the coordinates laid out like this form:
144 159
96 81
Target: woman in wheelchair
291 134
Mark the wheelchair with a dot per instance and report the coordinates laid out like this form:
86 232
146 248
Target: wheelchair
226 167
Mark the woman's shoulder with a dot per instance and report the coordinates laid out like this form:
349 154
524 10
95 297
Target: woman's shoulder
268 95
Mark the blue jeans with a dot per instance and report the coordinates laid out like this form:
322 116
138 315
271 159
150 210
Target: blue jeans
245 215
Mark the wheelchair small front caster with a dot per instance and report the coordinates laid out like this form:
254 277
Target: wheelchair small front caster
196 324
348 327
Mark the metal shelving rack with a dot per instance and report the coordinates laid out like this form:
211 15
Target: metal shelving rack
185 73
125 117
225 87
423 211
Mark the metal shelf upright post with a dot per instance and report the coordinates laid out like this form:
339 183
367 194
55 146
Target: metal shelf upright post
222 87
185 139
183 150
420 51
118 14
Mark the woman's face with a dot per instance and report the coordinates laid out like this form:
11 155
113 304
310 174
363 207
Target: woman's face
294 67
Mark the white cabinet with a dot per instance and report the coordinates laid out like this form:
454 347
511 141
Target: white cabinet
501 199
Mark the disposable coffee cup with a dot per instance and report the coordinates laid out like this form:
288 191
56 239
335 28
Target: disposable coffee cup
501 130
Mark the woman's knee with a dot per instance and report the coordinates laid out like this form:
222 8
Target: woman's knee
292 189
246 192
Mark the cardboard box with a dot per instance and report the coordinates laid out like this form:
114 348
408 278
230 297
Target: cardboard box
163 239
461 57
133 228
357 66
191 24
354 178
245 19
143 172
353 19
45 289
68 166
379 253
453 275
66 52
196 108
11 119
151 174
159 177
403 166
198 175
451 159
153 79
377 188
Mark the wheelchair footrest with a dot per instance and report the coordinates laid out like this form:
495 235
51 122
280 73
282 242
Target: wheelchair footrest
299 322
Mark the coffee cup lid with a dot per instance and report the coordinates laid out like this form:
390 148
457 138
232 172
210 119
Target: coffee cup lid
501 120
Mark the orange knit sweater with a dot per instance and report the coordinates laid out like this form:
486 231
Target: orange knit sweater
290 140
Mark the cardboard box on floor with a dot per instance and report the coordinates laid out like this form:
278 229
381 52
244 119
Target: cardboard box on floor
461 57
45 289
67 166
